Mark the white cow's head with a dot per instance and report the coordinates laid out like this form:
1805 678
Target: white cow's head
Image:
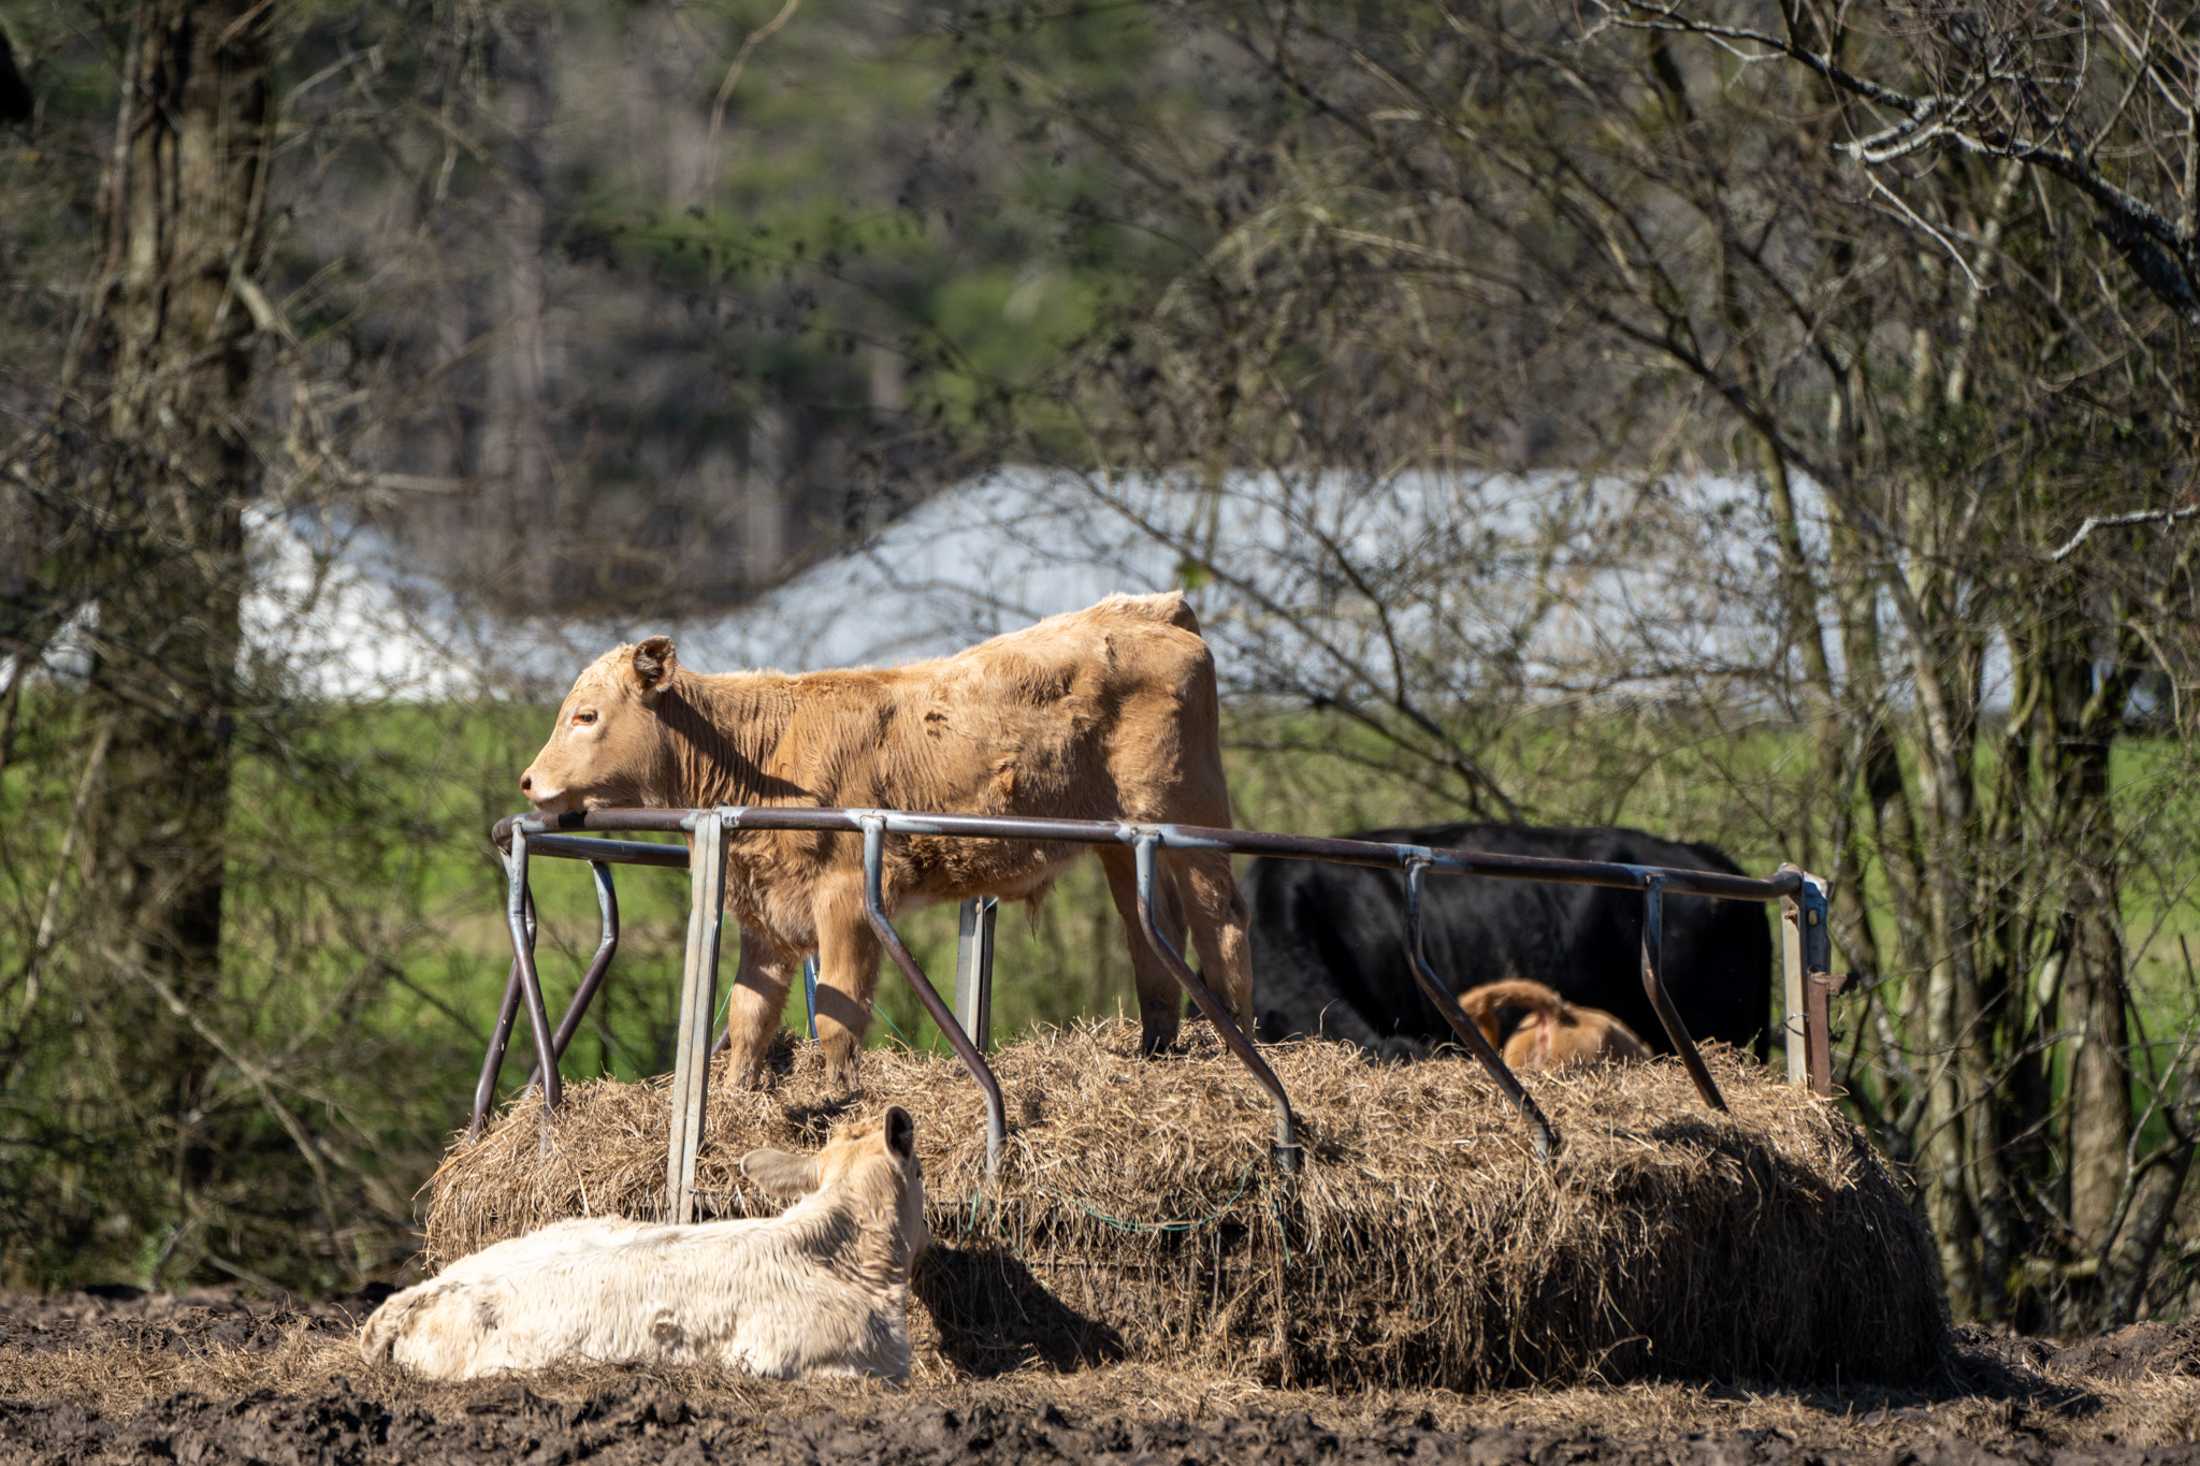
875 1158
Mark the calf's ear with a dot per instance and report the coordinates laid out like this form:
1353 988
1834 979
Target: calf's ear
779 1173
652 665
901 1132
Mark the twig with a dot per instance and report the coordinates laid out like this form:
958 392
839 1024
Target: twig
756 38
2110 521
238 26
49 915
1936 235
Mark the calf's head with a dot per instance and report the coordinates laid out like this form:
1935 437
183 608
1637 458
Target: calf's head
610 746
874 1160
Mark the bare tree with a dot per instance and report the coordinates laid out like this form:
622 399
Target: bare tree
155 543
2100 97
1413 236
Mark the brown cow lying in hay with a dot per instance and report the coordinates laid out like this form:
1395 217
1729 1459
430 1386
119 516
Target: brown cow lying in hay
1553 1033
823 1288
1106 713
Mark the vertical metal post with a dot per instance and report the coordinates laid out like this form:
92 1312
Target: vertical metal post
500 1038
1653 984
1819 985
518 905
1439 996
698 1001
943 1017
1791 983
974 968
809 994
1286 1147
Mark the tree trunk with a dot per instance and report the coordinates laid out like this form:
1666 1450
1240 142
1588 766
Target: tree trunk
2093 973
186 204
516 451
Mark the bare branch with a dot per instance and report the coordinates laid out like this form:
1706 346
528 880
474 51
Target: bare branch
2161 250
740 64
2108 521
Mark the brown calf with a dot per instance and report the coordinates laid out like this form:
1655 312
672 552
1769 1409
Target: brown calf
1106 713
1554 1032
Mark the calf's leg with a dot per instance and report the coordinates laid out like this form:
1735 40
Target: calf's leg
1160 1000
759 1000
847 974
1218 926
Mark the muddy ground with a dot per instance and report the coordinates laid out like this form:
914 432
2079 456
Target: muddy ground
215 1377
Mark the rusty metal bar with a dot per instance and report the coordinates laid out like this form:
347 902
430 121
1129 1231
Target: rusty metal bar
874 906
500 1037
1286 1146
517 903
1441 998
1716 884
698 993
1653 984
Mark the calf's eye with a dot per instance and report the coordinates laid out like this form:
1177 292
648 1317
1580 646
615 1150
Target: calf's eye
583 719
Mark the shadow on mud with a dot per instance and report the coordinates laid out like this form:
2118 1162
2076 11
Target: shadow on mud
994 1316
1980 1367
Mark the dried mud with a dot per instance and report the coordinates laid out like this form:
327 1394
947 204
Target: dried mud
215 1377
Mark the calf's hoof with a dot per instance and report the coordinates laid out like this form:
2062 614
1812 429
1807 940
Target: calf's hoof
1156 1038
842 1068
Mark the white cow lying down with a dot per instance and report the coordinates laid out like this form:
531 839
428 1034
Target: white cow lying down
822 1288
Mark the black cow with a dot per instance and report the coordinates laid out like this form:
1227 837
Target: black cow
1330 957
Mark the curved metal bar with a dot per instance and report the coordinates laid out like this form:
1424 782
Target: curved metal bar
1470 1037
874 906
1653 946
500 1038
1286 1148
607 947
516 905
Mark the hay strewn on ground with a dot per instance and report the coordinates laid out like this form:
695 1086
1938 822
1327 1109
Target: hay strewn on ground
84 1379
1137 1215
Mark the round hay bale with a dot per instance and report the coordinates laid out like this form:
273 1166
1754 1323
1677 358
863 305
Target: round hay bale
1137 1215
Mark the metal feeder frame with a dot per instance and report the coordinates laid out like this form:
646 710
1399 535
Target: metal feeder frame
1805 947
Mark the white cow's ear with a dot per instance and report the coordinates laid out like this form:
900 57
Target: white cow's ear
901 1132
779 1173
652 665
